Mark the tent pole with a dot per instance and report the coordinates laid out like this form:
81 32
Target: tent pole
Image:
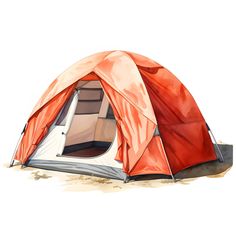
17 145
14 153
172 176
221 158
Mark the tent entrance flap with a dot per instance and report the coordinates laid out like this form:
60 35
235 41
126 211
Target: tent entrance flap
81 134
93 126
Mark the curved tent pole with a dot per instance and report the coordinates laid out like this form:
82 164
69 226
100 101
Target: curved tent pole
17 145
221 158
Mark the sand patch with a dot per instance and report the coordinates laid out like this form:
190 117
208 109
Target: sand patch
83 183
37 175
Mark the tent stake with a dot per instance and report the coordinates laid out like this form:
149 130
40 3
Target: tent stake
127 179
17 145
172 176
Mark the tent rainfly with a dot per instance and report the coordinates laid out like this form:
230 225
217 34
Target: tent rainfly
116 114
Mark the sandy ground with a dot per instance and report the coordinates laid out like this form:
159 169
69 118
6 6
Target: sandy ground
82 183
41 202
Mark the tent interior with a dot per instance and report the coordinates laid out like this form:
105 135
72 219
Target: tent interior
93 126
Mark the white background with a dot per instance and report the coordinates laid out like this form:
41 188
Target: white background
40 39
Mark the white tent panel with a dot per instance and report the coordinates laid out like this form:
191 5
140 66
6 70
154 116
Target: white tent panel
82 129
104 107
105 130
48 150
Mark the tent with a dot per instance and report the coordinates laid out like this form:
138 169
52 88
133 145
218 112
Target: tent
116 114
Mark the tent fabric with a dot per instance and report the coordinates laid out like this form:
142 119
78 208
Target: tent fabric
132 139
149 163
52 149
69 77
39 123
180 122
143 95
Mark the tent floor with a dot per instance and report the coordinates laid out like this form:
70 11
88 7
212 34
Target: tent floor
88 149
87 152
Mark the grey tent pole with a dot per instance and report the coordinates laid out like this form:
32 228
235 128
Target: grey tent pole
17 145
172 176
221 158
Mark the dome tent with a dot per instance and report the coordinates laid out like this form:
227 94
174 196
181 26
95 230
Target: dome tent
116 114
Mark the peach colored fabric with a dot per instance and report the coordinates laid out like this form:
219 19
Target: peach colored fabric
70 76
142 94
105 130
121 73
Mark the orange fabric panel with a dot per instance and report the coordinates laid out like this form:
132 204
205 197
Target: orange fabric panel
181 124
39 124
121 73
127 93
90 77
135 130
85 66
187 144
153 160
171 101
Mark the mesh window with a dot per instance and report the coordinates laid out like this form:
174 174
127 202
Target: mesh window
90 101
110 113
90 94
62 118
88 107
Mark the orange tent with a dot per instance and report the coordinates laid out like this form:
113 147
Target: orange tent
159 127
